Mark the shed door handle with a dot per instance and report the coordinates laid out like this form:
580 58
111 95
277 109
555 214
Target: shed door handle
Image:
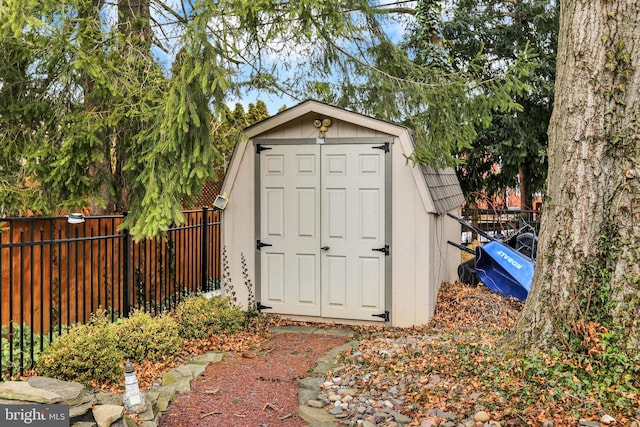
325 248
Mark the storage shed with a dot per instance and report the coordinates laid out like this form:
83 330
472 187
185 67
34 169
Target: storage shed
327 221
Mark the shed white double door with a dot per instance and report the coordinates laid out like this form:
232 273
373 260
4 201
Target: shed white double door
322 230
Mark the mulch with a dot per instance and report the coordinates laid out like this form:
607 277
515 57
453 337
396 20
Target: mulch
257 387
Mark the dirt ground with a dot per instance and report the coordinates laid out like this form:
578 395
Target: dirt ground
254 388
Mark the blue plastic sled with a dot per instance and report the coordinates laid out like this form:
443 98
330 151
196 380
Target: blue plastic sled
504 270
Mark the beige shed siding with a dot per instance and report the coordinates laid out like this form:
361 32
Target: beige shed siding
310 110
451 231
429 274
303 128
411 296
414 263
238 233
447 257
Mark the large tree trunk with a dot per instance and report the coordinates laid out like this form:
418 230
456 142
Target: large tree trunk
94 104
134 44
588 265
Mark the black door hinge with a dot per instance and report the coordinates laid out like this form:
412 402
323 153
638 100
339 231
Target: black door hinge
384 147
384 315
384 250
261 307
260 148
260 245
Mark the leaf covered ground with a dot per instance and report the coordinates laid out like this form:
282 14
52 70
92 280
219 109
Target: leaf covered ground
455 368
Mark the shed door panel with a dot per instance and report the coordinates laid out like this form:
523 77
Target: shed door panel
352 225
322 210
290 203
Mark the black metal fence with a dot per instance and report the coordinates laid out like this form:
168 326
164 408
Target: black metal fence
57 272
503 222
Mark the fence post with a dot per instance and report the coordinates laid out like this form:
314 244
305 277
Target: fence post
474 219
204 252
126 269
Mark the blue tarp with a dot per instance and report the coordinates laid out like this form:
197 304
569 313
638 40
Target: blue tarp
504 269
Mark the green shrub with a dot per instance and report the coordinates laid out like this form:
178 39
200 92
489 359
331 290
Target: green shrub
201 317
14 361
144 337
87 354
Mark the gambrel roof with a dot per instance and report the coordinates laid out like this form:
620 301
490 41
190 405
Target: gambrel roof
443 185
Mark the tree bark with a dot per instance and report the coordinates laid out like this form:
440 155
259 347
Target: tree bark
525 195
94 104
134 46
588 264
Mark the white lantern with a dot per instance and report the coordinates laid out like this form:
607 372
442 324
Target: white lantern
133 400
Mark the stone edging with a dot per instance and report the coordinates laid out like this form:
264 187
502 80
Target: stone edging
87 409
310 388
105 409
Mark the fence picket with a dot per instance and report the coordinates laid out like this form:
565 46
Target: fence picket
63 273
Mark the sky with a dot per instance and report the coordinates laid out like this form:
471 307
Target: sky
274 102
393 29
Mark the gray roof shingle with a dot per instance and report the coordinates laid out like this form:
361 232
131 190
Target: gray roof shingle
444 188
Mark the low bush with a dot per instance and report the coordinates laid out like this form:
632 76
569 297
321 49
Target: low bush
93 353
20 351
87 354
201 317
142 337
